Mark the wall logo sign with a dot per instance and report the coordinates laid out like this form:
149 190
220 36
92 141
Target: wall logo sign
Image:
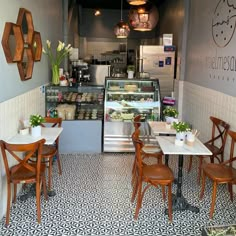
224 22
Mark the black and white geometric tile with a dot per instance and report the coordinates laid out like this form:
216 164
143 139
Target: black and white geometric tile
93 198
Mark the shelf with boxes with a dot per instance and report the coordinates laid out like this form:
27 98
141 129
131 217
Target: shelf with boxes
75 103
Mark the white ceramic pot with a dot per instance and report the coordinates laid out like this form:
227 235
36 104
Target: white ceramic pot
130 74
180 136
170 119
36 131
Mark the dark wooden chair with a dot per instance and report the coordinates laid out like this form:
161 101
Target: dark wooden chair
23 172
222 173
152 175
216 144
148 150
51 151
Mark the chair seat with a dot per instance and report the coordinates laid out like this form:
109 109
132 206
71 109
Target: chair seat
219 172
24 175
151 148
48 151
158 172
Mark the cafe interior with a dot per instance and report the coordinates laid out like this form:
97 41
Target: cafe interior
79 175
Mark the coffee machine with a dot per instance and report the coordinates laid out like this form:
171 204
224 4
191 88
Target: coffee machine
80 72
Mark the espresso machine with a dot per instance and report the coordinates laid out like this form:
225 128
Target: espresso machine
80 72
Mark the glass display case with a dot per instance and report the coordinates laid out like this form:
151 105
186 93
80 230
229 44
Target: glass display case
81 109
124 99
75 103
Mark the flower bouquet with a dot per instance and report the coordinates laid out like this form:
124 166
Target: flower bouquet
61 52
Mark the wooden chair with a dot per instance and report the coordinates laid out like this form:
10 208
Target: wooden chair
23 171
222 173
216 144
148 150
50 151
153 175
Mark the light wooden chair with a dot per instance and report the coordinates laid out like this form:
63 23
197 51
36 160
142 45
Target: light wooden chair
222 173
216 144
51 151
152 175
23 172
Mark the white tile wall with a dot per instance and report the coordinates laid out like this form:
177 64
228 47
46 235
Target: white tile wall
11 111
196 104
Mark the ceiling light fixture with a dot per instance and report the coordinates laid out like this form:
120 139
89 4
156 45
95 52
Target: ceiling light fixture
121 30
136 2
97 12
143 17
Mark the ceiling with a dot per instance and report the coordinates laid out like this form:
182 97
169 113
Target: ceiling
110 4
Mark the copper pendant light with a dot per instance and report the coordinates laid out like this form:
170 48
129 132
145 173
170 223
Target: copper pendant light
143 17
121 30
136 2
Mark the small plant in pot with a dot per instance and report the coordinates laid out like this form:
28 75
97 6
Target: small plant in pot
181 128
130 71
170 114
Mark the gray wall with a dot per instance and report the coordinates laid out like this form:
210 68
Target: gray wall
211 57
47 19
102 26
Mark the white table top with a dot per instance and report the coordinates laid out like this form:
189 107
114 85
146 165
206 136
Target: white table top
50 134
168 146
159 127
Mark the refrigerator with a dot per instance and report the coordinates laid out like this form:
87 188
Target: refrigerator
159 63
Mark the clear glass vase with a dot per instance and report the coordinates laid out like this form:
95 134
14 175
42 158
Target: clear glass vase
55 75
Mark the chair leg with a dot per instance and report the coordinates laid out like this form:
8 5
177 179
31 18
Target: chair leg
8 203
170 202
15 191
50 173
199 170
163 192
139 200
38 202
230 188
213 199
59 164
203 185
135 189
44 187
190 163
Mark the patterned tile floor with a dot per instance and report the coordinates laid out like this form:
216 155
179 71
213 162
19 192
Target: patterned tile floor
93 198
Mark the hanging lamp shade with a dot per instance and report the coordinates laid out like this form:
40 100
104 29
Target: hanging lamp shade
136 2
143 17
121 29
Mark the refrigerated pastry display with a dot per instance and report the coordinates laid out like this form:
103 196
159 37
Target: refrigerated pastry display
88 102
132 97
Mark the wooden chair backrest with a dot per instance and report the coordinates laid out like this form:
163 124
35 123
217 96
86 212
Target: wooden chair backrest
138 144
21 153
55 122
137 121
232 158
219 132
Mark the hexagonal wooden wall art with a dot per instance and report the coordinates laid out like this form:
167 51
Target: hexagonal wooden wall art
26 21
12 42
25 67
37 46
22 44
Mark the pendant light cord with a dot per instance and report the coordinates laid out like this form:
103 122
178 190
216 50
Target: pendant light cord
121 6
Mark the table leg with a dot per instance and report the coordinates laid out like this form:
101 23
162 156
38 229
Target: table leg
179 203
166 160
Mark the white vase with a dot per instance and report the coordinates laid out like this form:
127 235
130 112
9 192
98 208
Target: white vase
130 74
170 119
180 136
36 131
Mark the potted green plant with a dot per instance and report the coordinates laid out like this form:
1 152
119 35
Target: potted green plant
181 128
35 122
130 71
170 114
